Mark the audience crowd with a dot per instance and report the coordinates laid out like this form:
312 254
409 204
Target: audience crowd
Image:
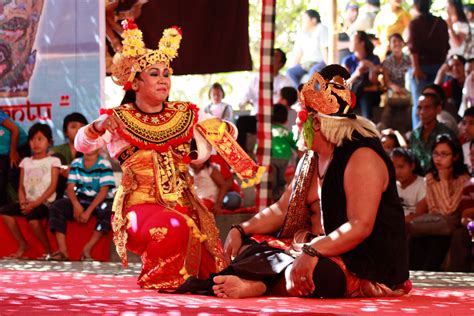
412 75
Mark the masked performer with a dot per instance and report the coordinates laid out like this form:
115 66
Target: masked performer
363 251
156 213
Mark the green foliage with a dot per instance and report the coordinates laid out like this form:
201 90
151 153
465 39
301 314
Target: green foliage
287 23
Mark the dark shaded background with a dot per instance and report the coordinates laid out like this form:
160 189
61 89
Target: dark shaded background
215 33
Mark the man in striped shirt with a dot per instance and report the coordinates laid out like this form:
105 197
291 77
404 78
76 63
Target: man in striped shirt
90 191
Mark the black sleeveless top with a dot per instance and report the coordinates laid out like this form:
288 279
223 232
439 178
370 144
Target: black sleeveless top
381 257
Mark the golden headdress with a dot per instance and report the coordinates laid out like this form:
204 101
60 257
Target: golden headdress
327 92
135 57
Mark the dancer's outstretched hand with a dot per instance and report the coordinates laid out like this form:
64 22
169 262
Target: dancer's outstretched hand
232 245
109 123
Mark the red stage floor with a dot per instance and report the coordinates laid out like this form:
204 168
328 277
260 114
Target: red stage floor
30 291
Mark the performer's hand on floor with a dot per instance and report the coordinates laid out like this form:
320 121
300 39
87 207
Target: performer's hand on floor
232 245
302 274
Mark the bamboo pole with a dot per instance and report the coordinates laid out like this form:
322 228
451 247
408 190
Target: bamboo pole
333 33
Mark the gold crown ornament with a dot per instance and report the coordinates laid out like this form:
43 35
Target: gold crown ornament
135 57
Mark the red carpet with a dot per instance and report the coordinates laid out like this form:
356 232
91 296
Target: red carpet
41 293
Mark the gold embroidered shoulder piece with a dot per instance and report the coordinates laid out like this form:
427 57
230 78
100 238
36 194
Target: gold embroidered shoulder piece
158 131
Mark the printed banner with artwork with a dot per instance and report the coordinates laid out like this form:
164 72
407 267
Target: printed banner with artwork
51 60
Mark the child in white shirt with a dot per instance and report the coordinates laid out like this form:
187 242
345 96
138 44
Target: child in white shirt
218 108
411 187
37 189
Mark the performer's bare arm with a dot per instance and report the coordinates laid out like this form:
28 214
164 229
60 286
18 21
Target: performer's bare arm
365 179
91 137
266 221
269 219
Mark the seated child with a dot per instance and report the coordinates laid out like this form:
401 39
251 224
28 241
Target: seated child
37 189
283 144
218 108
90 191
214 184
66 152
410 185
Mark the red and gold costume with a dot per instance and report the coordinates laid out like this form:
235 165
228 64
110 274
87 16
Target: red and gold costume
175 234
156 213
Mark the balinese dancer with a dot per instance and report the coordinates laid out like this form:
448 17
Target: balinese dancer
360 250
156 213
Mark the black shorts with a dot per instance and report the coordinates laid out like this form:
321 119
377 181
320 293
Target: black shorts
37 213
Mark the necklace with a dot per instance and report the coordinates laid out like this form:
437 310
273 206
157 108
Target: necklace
321 177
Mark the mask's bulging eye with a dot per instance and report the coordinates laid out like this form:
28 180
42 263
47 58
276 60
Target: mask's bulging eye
338 86
317 87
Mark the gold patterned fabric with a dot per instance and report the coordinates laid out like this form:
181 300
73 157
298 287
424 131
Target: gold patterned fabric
357 287
148 178
170 127
298 216
155 173
220 136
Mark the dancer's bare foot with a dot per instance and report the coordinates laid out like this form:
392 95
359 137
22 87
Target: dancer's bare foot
19 253
231 286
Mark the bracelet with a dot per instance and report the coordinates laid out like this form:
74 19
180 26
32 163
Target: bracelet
91 132
310 251
96 130
243 235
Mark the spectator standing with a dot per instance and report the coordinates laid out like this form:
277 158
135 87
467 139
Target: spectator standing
458 28
391 19
310 52
428 41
